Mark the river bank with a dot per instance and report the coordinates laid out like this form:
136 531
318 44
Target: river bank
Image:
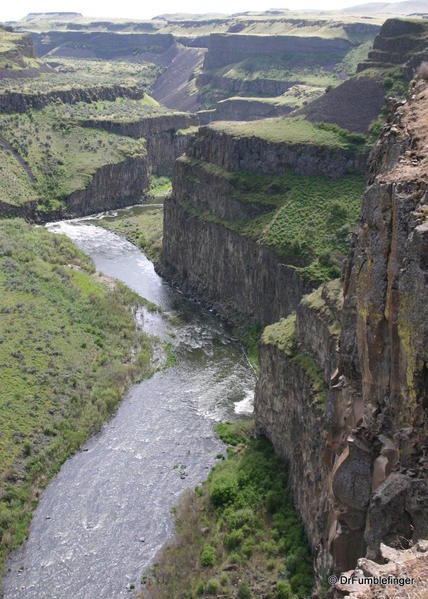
107 512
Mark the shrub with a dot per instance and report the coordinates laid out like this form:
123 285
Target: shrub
283 590
233 539
223 489
302 582
200 589
273 501
244 591
234 558
213 586
248 548
239 518
208 556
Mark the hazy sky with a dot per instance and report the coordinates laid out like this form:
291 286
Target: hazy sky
143 9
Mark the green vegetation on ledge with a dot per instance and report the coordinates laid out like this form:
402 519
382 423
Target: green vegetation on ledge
305 220
295 130
281 335
238 535
69 348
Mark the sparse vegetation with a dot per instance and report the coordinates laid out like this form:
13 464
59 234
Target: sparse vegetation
238 534
67 354
70 73
60 157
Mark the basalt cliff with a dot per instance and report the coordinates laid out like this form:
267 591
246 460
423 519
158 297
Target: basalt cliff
343 384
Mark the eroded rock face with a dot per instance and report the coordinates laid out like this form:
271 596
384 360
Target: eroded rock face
112 186
225 49
21 102
254 154
372 432
384 345
234 274
405 571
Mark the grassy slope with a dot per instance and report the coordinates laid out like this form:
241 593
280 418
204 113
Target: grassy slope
11 57
238 535
308 220
76 74
66 340
61 155
295 130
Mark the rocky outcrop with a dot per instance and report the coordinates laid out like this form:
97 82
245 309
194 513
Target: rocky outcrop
21 102
227 86
399 42
400 575
234 274
206 251
112 186
104 45
225 49
378 400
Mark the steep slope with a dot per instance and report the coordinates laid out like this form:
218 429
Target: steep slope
363 445
239 230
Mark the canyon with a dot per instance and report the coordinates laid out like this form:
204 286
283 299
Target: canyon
298 215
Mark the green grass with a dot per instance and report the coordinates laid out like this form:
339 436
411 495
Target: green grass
16 187
295 130
306 220
141 226
160 187
281 334
62 156
14 52
66 357
238 534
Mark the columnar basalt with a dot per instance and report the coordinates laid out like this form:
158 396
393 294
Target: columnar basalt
371 434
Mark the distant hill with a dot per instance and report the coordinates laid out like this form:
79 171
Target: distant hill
407 7
52 15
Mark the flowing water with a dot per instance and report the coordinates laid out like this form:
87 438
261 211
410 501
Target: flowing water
104 516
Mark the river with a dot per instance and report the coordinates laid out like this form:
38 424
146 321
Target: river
104 516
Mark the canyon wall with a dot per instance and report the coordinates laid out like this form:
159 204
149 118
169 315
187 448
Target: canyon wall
258 155
234 274
205 247
21 102
225 49
111 186
363 454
